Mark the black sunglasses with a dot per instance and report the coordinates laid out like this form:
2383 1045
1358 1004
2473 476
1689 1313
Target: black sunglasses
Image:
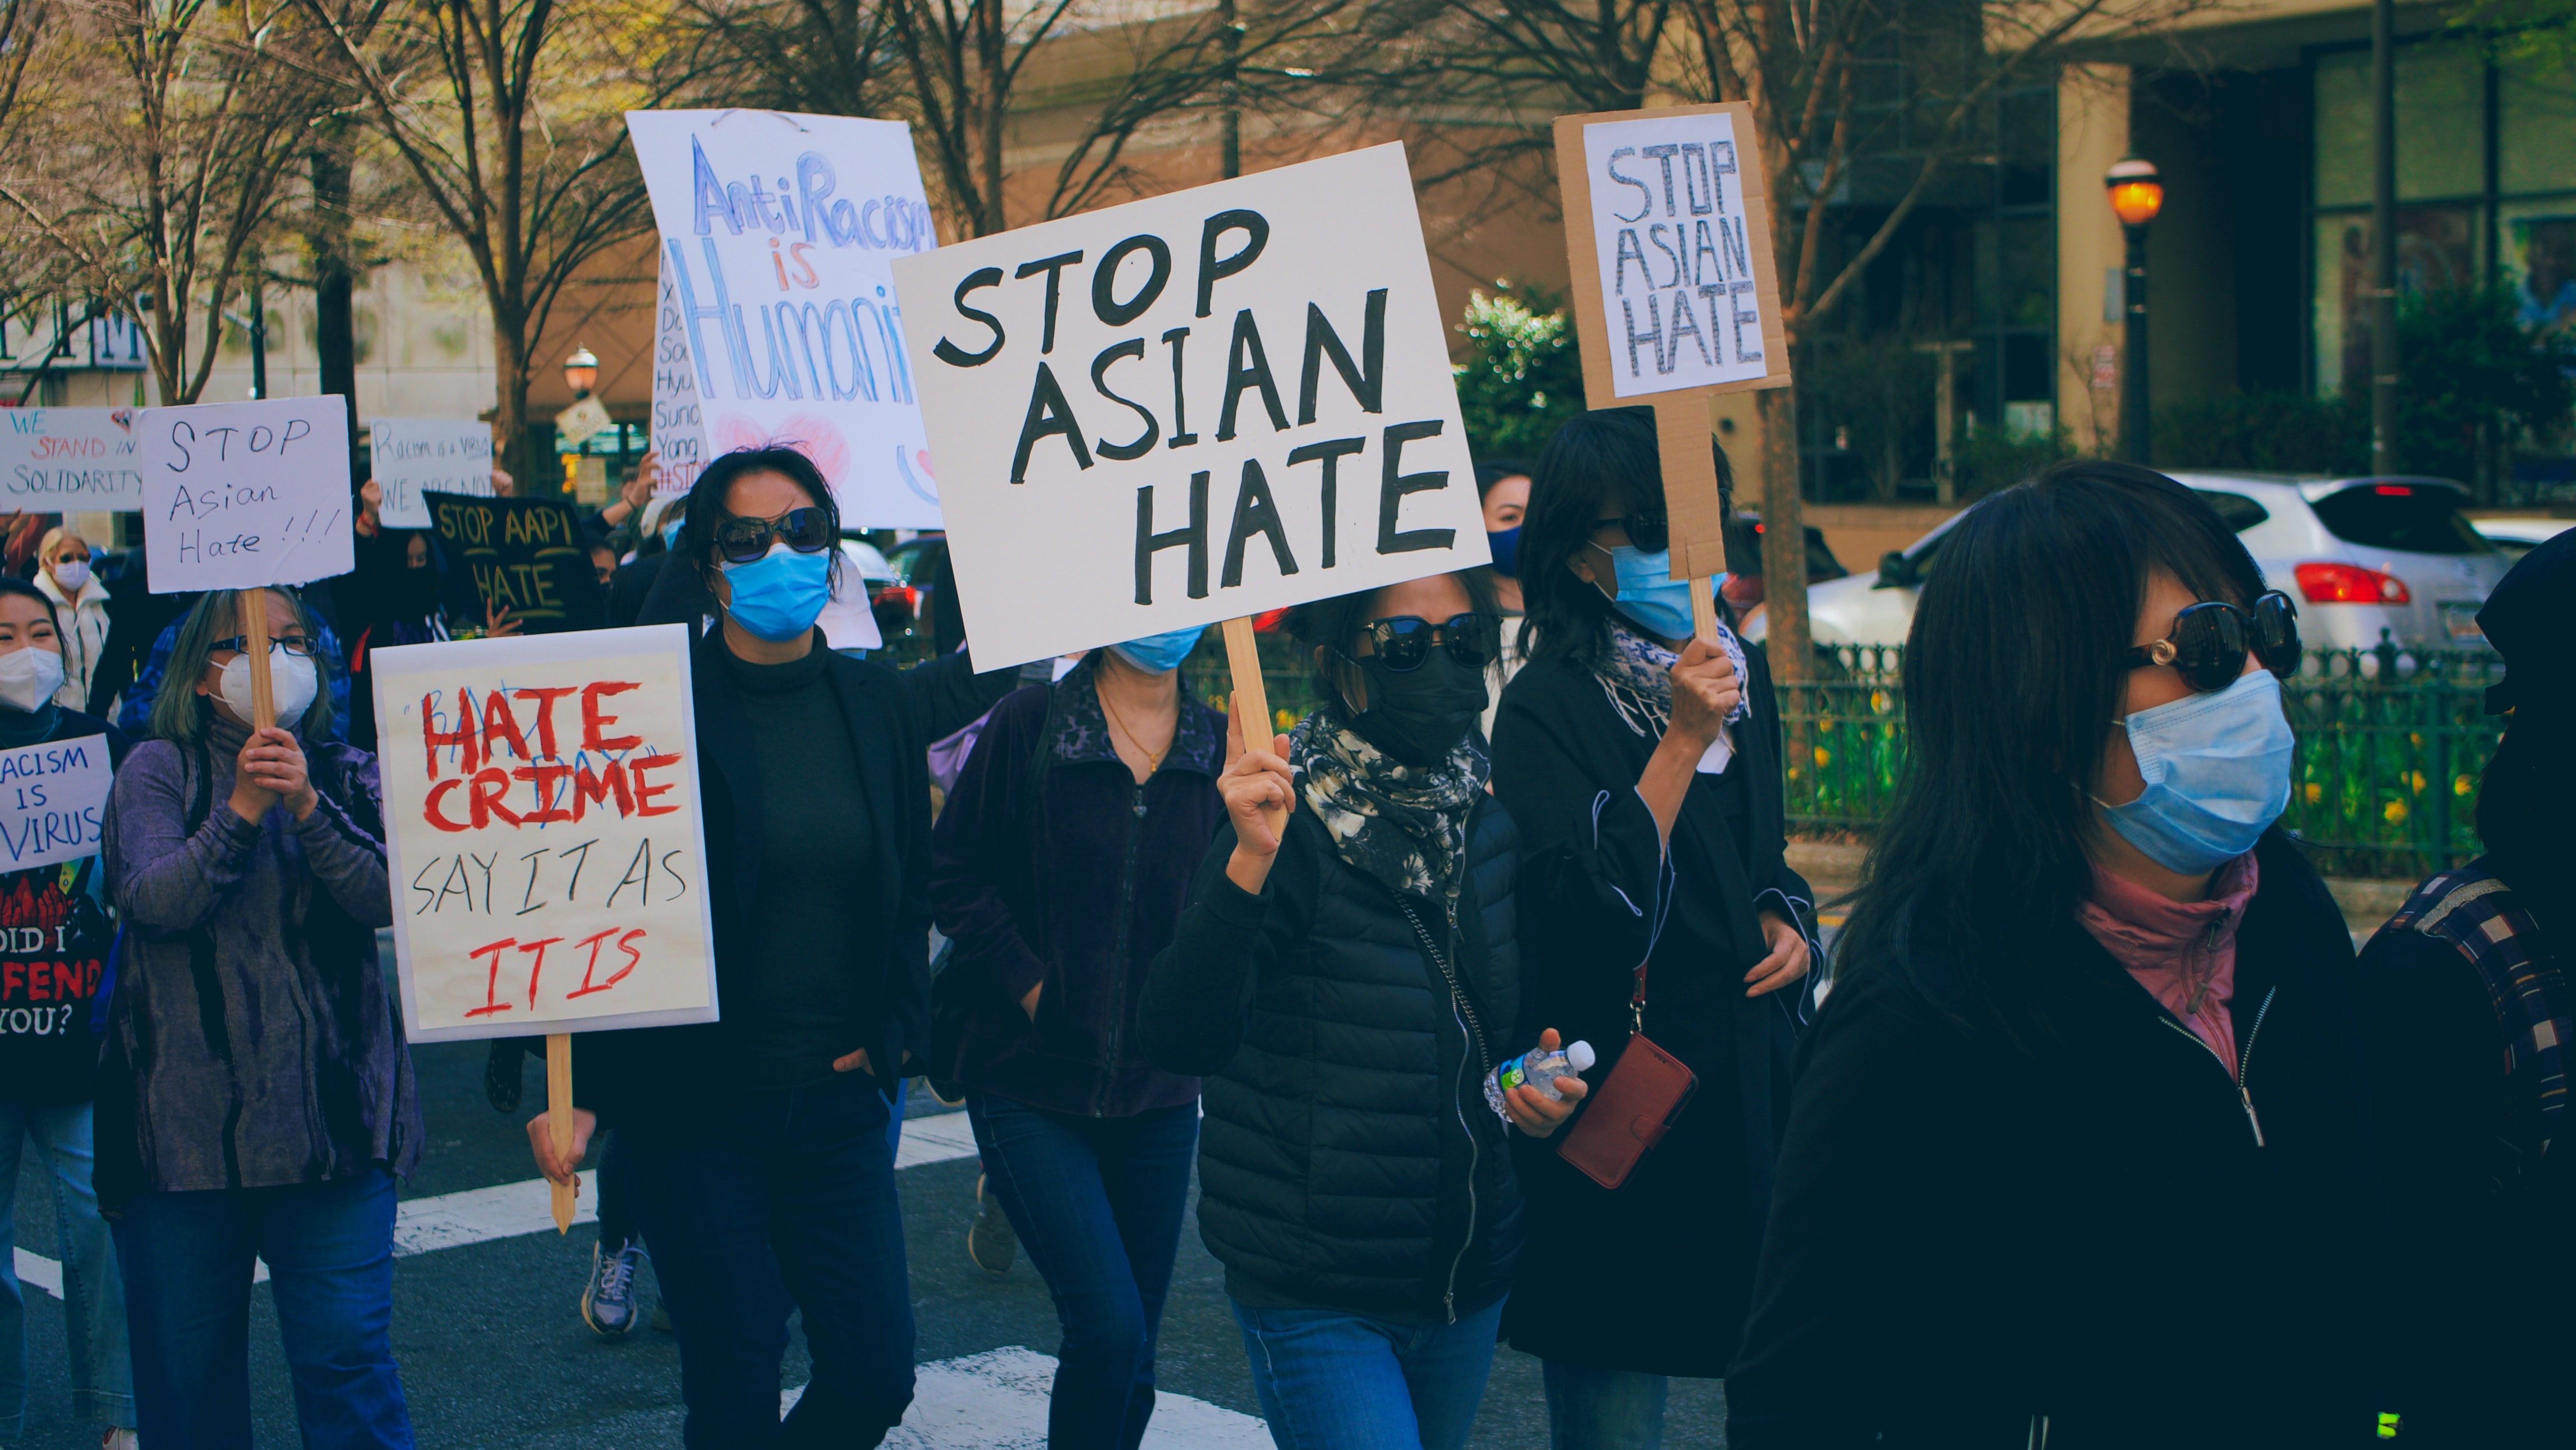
2209 642
1405 641
806 530
1651 532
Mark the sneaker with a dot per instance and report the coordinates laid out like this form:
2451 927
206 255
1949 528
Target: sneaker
504 1075
608 1300
118 1438
989 1240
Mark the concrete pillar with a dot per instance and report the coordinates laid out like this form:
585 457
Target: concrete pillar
2092 132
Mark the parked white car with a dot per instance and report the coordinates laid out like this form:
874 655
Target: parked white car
2518 537
2360 555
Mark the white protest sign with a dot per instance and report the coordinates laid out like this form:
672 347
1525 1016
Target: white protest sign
776 234
52 798
412 456
544 835
1192 408
1670 201
679 434
245 495
60 460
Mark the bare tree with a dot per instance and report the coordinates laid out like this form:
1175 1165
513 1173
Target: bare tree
506 114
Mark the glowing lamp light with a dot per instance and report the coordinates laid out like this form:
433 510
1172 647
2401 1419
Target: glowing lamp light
2136 193
581 370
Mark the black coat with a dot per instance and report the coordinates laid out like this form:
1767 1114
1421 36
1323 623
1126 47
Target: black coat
1966 1235
1072 879
1655 1276
1347 1159
659 1070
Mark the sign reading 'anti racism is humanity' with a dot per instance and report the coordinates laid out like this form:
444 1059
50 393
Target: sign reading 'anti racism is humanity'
1192 408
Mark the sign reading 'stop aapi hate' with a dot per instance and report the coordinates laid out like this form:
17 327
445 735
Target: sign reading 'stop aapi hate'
777 231
1191 408
245 495
544 835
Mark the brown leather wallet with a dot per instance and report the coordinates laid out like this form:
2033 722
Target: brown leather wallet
1636 1105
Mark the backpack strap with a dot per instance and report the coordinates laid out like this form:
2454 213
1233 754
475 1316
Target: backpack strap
2475 912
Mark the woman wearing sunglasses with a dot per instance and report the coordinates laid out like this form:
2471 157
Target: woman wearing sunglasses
255 1094
2078 1151
1344 985
1642 764
759 1143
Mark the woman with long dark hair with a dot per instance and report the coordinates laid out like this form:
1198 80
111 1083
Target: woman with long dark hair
759 1142
2078 1154
1344 982
1642 764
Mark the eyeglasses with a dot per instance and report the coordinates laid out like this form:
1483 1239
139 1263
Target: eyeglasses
1404 641
2210 641
1650 531
806 530
292 644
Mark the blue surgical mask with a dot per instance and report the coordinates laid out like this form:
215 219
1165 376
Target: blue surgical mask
2217 769
1506 547
779 595
1156 653
1649 596
671 530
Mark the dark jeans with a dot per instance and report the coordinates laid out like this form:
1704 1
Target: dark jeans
1603 1409
1335 1381
617 1193
758 1203
1097 1202
330 1253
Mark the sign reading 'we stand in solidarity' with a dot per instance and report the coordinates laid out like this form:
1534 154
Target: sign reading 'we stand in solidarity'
1191 408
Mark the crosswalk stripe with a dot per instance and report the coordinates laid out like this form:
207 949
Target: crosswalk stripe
997 1400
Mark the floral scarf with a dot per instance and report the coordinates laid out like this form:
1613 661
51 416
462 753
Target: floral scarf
1405 825
1637 676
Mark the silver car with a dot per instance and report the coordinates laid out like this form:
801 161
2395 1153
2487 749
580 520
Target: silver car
2362 556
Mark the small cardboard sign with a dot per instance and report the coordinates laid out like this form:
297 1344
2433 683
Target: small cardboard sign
524 554
776 234
53 796
61 460
411 457
245 495
1192 408
544 835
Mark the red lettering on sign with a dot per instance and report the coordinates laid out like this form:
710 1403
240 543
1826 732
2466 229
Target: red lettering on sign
644 793
587 788
489 786
537 966
492 980
499 724
429 808
546 695
548 778
462 735
624 944
594 720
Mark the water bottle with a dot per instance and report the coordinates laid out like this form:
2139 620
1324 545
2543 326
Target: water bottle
1539 1069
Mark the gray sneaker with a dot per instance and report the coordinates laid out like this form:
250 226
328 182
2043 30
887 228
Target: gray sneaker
608 1300
989 1240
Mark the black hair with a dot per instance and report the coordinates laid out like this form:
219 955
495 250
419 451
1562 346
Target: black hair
1610 451
1333 625
1494 470
2013 675
26 589
705 511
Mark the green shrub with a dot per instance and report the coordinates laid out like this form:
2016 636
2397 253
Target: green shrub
1525 375
2266 432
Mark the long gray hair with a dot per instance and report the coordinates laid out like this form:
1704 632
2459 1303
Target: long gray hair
180 714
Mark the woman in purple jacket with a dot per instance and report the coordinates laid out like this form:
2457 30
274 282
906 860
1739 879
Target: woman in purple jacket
1059 868
256 1096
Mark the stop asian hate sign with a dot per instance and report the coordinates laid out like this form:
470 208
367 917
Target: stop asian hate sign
545 837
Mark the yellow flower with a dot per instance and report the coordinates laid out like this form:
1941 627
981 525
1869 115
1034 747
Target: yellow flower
2395 811
2418 779
2316 792
1286 719
1823 757
2416 739
2463 786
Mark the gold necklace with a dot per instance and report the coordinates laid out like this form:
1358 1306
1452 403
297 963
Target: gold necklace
1153 758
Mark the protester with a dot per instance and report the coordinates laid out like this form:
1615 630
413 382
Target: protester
2078 1151
1059 868
759 1141
49 1053
256 1097
633 582
2471 1017
1345 985
80 606
135 619
1503 485
1642 765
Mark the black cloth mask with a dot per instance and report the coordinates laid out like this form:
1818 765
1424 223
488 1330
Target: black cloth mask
1419 715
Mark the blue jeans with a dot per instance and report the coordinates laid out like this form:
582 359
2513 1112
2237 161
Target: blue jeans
1097 1202
93 1294
759 1203
1336 1381
1602 1409
330 1253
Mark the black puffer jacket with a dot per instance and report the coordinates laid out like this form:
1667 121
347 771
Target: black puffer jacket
1348 1160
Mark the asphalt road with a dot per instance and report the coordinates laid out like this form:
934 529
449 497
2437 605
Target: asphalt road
494 1352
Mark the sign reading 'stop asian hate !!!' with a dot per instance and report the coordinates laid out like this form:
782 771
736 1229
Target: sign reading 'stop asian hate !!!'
1190 408
245 495
544 834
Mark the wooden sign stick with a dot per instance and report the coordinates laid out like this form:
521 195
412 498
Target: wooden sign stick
1692 503
1251 698
559 1121
252 606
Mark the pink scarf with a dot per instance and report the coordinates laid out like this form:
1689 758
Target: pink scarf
2182 952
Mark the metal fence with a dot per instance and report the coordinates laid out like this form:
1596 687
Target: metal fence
2391 745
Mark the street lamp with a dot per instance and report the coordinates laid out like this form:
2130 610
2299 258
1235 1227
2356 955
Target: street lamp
581 370
2136 196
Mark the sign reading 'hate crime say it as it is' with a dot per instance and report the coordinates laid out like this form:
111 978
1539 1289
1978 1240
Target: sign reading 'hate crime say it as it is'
543 829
